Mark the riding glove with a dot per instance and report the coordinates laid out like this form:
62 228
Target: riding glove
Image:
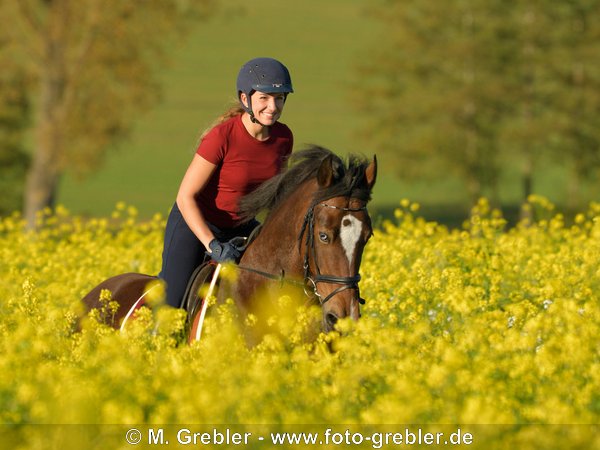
223 251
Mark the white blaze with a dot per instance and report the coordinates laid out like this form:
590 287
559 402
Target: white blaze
350 232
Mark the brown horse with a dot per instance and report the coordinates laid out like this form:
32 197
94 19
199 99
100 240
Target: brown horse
314 235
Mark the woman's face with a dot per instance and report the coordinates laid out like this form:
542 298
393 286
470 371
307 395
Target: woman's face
267 108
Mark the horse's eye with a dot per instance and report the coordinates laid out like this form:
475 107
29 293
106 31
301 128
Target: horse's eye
323 236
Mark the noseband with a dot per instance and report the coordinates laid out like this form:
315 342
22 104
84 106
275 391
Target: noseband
311 280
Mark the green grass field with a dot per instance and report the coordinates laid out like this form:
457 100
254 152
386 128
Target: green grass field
321 42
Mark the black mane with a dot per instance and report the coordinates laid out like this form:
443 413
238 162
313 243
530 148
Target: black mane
349 180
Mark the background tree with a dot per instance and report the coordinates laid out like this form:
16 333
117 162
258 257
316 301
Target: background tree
430 91
557 79
94 66
553 82
473 86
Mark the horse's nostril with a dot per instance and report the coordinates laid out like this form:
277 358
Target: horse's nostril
331 319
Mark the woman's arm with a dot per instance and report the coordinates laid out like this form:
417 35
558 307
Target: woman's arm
194 180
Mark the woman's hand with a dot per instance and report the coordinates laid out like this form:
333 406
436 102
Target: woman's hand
223 251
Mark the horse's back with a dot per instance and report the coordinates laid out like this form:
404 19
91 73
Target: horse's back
126 290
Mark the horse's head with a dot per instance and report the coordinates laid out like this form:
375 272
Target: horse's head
318 207
337 227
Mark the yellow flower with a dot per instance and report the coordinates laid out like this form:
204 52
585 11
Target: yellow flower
477 325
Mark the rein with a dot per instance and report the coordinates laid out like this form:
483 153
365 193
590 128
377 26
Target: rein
311 280
281 277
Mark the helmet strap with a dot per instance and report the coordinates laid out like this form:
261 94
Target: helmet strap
254 120
250 112
249 109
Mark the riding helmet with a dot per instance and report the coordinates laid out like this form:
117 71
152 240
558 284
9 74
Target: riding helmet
263 74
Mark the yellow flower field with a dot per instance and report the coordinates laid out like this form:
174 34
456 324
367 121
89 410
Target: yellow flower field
493 330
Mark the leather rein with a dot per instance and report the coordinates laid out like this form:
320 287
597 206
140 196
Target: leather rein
311 280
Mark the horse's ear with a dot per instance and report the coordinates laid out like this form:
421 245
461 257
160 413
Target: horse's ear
326 174
371 173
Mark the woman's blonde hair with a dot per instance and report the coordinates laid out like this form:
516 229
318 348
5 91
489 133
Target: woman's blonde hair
235 109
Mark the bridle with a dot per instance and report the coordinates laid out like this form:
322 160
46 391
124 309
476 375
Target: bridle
311 280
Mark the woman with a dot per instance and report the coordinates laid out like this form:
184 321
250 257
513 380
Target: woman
246 147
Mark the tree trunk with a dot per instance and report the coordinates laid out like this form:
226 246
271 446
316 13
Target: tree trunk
474 189
41 186
527 213
46 167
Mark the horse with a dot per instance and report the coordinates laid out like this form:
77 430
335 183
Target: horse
314 234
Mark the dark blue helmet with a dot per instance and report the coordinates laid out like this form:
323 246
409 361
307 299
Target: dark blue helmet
265 75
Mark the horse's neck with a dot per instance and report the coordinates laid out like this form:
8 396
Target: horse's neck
276 247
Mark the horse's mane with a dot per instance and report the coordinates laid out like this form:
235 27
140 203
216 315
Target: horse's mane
349 180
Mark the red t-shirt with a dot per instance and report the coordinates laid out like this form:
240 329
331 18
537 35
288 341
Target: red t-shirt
243 163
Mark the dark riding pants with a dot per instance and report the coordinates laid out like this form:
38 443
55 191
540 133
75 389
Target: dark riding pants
183 252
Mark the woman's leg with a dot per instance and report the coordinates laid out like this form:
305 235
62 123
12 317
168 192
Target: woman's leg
182 253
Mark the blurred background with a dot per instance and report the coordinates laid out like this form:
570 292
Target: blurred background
104 101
